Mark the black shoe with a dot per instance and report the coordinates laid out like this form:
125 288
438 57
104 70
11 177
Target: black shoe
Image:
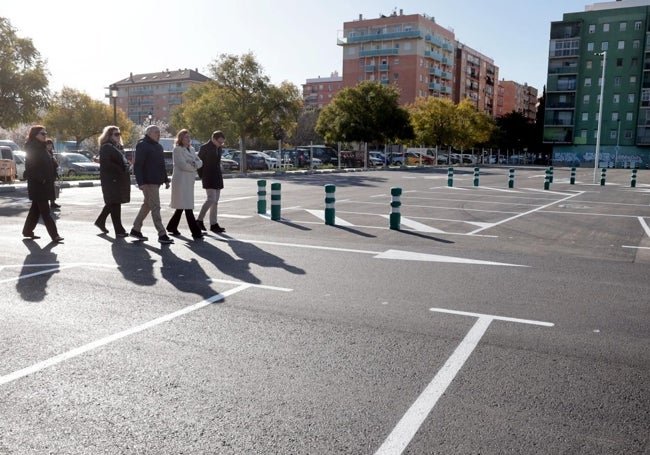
216 228
122 234
174 232
138 235
57 239
31 235
198 235
101 227
164 239
200 224
54 205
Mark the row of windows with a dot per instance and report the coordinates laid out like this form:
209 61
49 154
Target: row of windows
617 81
604 45
629 116
622 27
612 134
616 98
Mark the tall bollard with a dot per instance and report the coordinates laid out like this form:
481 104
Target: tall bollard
275 201
330 214
511 178
633 181
450 176
261 197
603 174
395 204
476 172
550 168
547 179
572 180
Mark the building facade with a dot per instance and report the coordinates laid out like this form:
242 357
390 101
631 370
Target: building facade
318 92
602 50
475 78
410 51
515 97
152 96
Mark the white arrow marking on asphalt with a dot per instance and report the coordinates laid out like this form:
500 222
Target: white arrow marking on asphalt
411 256
410 423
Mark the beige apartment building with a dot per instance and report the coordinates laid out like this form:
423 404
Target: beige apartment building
151 97
318 92
515 97
475 78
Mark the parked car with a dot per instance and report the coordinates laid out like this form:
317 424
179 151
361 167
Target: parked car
253 161
283 158
327 155
7 143
414 158
271 163
228 165
75 164
19 159
377 157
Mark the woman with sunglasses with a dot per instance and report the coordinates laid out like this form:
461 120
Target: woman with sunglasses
40 183
115 179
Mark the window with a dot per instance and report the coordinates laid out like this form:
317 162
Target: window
407 46
589 64
600 81
621 45
362 63
630 97
395 76
634 62
636 44
629 116
585 99
592 28
590 47
605 27
617 81
616 99
604 45
614 116
583 134
622 26
587 82
637 25
396 61
596 134
628 134
619 62
632 79
612 134
585 116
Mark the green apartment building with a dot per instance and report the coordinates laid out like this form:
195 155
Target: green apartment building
616 36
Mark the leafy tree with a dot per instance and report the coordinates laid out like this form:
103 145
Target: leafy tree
23 79
305 131
473 127
368 112
74 114
516 132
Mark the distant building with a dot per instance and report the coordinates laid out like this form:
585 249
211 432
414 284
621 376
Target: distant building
410 51
318 92
475 77
152 96
515 97
613 36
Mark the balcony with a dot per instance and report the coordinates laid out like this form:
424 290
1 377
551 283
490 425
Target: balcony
384 67
140 91
380 37
370 68
436 86
434 40
435 71
378 52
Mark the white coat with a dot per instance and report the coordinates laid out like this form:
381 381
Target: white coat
186 162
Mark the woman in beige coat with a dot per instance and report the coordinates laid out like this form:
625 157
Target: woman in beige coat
186 162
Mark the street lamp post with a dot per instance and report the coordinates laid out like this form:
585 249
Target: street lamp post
618 135
600 114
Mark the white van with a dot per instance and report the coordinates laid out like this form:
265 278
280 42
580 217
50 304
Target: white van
11 144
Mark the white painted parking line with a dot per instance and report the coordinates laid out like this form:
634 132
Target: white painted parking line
416 225
644 225
410 423
119 335
320 214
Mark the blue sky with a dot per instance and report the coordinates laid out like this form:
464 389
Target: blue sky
88 46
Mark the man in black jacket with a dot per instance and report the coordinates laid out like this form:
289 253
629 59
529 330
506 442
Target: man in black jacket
212 179
150 173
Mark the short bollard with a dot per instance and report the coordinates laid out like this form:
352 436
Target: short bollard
395 204
511 178
261 197
547 179
450 176
476 173
603 174
551 174
275 201
572 180
633 180
330 214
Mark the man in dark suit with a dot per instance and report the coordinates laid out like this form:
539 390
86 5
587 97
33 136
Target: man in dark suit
212 179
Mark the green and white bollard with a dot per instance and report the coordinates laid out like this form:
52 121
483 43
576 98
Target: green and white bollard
395 204
261 197
476 173
450 176
551 174
633 181
275 201
511 178
572 180
330 213
547 179
603 174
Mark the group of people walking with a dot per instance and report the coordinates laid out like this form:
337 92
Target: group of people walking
150 174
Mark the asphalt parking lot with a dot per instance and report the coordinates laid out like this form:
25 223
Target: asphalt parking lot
495 320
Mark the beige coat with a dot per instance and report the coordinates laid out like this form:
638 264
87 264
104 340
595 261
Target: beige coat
186 162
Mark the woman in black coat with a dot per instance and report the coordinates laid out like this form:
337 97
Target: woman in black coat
115 179
40 183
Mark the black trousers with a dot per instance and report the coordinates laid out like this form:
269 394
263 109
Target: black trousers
191 221
40 209
115 211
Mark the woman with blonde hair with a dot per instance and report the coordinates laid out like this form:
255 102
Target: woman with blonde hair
186 162
114 174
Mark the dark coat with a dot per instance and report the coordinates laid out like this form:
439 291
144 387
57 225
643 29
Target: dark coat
149 164
114 174
40 171
210 172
